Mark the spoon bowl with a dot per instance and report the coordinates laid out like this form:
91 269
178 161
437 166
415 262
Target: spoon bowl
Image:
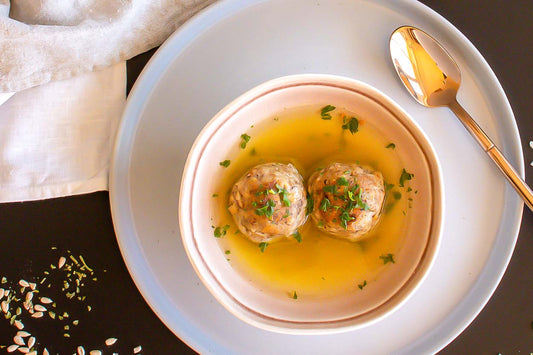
433 78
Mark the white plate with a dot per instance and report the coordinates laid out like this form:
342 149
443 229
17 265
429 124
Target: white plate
235 45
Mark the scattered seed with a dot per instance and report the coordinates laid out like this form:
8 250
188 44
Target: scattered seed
1 293
37 314
31 342
137 349
33 352
29 296
81 350
46 300
18 340
24 350
33 285
61 262
24 283
12 348
39 308
531 144
110 341
22 333
5 306
45 352
19 325
95 352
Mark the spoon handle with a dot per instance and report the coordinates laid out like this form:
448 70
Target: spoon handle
495 154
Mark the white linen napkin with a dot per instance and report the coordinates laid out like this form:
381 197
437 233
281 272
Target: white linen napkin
62 87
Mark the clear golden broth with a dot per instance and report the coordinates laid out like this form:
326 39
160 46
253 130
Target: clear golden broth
321 266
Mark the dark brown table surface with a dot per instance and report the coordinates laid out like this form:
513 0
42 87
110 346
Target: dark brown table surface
34 235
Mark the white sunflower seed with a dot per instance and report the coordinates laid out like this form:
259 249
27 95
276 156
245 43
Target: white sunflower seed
12 348
22 333
37 315
33 285
33 352
24 283
31 342
19 325
5 306
1 293
531 163
40 308
24 350
29 297
531 144
18 340
61 262
137 349
95 352
45 352
46 300
80 350
110 341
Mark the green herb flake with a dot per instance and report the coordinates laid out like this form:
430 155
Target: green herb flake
330 188
361 286
227 252
325 112
387 258
310 204
405 176
397 195
342 181
324 205
214 195
221 231
263 246
297 236
294 295
225 163
391 146
267 210
352 125
244 140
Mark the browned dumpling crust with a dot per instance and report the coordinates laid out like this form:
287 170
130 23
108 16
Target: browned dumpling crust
269 202
347 199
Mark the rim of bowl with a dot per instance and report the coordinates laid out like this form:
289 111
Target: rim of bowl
264 321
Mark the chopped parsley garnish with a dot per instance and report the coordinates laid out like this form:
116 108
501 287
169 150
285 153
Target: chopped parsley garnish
352 125
342 181
391 146
227 252
267 210
397 195
215 195
404 177
345 218
310 204
325 112
283 195
297 236
225 163
387 258
244 140
263 246
294 295
221 231
325 204
330 188
361 286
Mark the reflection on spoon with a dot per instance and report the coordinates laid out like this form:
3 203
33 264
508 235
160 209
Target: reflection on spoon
431 75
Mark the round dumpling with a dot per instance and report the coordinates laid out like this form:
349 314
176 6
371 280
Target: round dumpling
347 199
269 202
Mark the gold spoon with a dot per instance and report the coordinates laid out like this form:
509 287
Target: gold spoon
431 75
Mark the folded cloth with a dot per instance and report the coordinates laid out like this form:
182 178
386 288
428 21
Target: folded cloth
65 63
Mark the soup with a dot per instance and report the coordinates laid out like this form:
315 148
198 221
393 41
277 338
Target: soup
311 263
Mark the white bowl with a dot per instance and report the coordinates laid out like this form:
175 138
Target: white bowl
241 296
